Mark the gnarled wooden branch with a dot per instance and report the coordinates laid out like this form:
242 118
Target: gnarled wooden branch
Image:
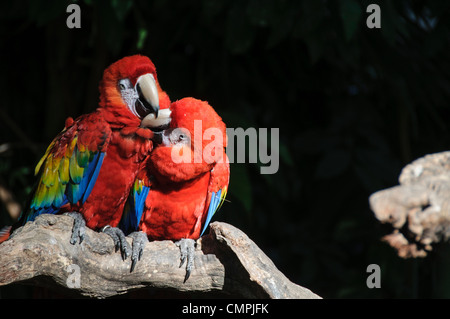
418 208
226 262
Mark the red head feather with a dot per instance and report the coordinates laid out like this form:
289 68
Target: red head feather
184 114
188 110
131 68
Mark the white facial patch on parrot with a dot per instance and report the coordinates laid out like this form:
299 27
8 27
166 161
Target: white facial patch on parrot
129 95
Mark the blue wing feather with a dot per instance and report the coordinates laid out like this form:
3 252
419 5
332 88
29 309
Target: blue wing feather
134 209
33 213
98 160
213 205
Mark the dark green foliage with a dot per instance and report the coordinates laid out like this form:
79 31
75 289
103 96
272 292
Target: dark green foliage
353 105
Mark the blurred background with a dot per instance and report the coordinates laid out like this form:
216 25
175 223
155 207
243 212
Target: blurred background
353 105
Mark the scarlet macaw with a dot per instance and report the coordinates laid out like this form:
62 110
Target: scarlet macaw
90 167
175 200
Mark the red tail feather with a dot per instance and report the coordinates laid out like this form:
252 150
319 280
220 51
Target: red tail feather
4 233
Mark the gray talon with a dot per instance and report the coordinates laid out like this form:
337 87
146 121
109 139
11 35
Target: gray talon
78 229
119 239
139 241
187 249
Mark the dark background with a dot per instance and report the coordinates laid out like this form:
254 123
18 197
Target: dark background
353 104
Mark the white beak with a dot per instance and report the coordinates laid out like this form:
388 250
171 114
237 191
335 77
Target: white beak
148 92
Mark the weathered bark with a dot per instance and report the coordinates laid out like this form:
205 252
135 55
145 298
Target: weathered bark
418 208
226 262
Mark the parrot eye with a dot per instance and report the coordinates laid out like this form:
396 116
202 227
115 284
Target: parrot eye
124 84
179 136
182 138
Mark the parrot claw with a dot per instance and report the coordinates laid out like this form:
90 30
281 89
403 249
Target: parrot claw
119 240
79 227
187 249
139 241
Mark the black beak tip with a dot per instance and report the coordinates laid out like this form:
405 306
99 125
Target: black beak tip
157 137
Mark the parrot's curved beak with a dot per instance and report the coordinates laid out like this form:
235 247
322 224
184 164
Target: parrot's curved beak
148 100
157 123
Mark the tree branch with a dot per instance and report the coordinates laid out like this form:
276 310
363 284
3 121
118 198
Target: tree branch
227 262
418 208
